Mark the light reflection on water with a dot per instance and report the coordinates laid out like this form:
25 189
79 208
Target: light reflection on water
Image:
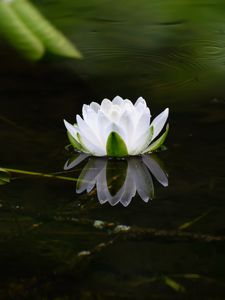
118 181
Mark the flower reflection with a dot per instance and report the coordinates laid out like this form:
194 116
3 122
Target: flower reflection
118 181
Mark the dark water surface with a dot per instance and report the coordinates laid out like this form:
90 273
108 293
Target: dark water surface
56 243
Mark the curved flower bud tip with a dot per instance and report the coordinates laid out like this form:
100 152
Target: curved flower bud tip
117 128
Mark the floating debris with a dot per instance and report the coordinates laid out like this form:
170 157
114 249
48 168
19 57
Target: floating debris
83 253
99 224
121 228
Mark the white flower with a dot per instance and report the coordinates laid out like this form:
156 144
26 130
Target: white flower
117 128
118 181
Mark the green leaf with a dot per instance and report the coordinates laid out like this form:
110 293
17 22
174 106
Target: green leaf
115 145
54 41
18 34
4 176
158 143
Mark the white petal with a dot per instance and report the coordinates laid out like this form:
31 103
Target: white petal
126 122
85 110
106 105
72 130
142 143
159 122
118 129
114 115
87 131
143 124
128 104
103 123
92 148
89 138
140 100
95 106
90 117
117 100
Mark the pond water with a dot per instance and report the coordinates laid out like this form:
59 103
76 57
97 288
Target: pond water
142 228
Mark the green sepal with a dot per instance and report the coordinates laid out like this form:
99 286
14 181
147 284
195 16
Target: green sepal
74 143
158 143
151 129
115 145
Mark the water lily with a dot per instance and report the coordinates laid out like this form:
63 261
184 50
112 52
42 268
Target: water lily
118 181
117 128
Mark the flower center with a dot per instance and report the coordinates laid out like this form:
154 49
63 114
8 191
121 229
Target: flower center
114 113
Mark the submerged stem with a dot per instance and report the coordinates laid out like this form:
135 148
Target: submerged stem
24 172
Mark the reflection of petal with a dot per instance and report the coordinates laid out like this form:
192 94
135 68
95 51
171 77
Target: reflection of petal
101 185
74 161
119 180
129 188
88 175
103 191
143 179
155 169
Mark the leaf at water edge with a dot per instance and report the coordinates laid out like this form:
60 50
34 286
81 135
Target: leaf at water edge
54 41
18 34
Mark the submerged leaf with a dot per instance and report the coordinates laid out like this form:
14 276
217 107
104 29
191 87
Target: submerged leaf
18 34
115 145
4 176
174 284
192 222
53 40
